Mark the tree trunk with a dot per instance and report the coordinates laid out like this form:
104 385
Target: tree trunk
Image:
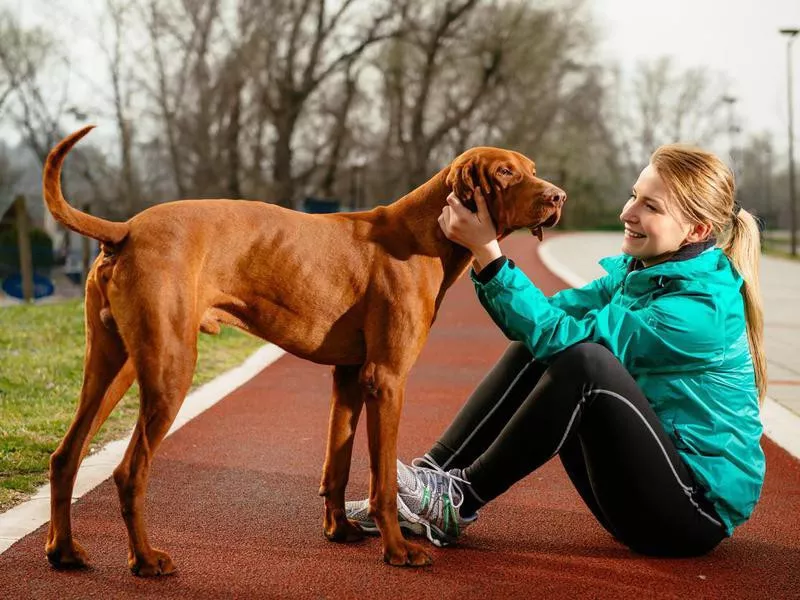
130 186
283 183
234 132
419 157
338 138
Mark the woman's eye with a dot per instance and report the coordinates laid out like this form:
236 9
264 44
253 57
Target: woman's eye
651 207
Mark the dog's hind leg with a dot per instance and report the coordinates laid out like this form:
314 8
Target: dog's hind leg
346 406
164 352
107 376
121 384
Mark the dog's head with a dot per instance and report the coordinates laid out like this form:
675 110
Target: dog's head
515 196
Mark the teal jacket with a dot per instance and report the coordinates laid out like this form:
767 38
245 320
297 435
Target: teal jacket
679 328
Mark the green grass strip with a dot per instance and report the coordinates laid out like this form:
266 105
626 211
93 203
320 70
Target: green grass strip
41 370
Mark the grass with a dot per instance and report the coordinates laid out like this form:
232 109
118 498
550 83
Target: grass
771 249
777 236
41 370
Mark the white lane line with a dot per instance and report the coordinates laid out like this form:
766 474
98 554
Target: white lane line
21 520
781 425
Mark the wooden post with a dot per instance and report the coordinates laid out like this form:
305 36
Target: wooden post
24 243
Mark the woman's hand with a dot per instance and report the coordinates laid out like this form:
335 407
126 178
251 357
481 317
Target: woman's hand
474 231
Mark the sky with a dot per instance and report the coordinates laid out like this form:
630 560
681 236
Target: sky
738 38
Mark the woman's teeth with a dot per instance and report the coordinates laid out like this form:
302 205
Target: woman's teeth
633 234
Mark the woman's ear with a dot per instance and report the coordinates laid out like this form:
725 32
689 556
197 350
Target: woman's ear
698 233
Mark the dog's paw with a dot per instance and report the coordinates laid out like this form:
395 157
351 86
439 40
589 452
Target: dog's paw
66 555
344 531
407 554
154 564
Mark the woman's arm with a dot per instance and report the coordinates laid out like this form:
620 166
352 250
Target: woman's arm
676 332
576 302
476 232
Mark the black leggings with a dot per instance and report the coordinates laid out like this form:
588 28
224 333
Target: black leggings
586 408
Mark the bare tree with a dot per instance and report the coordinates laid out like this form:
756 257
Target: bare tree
233 79
476 73
339 137
24 56
307 45
662 104
755 185
9 75
128 186
180 35
417 69
39 103
272 99
545 72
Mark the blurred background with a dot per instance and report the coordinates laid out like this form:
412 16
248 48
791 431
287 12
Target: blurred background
340 105
324 105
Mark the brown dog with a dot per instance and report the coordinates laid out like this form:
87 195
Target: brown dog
359 291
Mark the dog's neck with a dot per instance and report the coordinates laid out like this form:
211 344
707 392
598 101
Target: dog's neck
418 213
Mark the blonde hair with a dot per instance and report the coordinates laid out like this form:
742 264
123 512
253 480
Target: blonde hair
703 188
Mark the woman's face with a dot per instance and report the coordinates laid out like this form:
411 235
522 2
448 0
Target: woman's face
653 228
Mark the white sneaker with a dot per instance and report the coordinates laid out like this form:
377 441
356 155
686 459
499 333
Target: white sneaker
428 499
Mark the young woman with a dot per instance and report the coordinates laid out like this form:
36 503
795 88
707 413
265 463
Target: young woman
646 383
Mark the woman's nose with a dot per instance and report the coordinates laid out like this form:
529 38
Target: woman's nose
628 213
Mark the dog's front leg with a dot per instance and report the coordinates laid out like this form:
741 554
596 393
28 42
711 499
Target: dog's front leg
384 404
346 406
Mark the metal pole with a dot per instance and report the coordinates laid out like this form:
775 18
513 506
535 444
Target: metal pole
792 199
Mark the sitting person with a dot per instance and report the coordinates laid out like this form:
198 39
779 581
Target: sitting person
646 383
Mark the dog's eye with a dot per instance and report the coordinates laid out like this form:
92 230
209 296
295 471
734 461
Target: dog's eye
505 171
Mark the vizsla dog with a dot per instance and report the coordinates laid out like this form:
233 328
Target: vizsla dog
358 291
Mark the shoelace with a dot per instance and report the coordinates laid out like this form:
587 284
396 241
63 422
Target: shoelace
435 477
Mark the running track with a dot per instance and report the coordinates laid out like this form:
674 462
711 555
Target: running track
233 498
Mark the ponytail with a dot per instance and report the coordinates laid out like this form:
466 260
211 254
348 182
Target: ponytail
742 245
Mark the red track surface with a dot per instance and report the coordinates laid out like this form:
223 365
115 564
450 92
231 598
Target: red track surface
233 498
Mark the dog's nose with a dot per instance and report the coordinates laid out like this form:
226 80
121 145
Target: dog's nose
556 196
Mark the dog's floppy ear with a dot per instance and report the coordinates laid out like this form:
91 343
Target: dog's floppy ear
504 175
465 175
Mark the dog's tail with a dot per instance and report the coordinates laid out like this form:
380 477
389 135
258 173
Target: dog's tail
108 232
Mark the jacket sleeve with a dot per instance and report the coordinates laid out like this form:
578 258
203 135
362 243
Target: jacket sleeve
576 302
662 337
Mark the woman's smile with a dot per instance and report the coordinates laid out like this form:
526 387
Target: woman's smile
633 235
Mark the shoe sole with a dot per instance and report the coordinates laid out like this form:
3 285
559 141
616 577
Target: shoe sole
435 535
372 529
